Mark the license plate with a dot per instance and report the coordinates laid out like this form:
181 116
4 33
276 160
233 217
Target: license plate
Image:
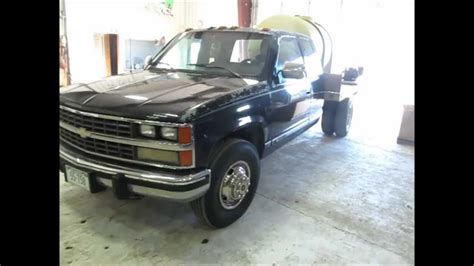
77 177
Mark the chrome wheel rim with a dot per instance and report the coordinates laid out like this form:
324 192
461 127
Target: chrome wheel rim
235 185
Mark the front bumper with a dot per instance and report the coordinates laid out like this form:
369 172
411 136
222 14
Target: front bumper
125 181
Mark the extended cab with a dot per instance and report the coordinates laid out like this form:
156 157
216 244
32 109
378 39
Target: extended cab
194 124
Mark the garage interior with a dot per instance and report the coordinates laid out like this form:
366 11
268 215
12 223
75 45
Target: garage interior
320 199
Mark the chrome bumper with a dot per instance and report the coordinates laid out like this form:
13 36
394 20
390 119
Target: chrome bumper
163 185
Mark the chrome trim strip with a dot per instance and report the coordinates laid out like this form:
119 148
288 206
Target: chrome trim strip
133 173
132 120
128 160
268 144
292 130
181 196
148 143
328 92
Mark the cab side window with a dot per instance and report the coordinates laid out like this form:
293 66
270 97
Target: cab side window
289 52
312 59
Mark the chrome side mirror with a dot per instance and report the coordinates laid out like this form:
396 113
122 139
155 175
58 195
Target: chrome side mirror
293 71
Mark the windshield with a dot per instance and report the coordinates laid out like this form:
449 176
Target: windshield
240 54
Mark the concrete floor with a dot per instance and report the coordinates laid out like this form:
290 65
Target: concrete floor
320 200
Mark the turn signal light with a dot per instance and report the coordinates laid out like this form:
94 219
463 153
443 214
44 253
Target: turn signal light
186 158
184 135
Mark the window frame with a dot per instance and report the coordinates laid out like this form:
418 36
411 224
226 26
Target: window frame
276 70
263 76
313 46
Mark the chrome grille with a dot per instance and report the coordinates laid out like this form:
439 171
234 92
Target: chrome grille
95 124
98 146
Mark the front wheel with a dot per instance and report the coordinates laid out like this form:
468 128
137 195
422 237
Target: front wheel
235 171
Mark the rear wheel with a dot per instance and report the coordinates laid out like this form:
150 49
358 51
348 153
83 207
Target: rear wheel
235 171
329 115
342 122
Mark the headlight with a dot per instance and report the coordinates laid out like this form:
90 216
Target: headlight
170 133
182 135
148 131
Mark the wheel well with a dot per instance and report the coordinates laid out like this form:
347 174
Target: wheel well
253 134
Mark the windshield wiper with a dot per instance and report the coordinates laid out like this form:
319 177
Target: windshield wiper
215 66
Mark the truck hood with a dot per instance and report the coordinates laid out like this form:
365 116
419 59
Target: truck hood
162 96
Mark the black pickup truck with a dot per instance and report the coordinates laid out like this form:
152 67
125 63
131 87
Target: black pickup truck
194 124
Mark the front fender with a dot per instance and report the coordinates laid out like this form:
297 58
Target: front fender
212 130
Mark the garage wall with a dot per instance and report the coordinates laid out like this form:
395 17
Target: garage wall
86 19
132 19
207 13
379 34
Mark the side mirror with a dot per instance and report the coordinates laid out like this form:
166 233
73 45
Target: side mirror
148 59
293 71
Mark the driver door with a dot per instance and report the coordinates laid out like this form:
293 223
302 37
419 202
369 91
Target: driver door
290 101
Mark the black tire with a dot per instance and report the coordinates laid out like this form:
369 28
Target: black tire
343 119
329 116
209 208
